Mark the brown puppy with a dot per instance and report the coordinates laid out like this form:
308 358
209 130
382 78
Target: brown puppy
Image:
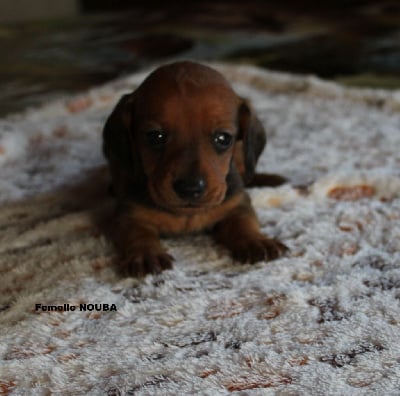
180 148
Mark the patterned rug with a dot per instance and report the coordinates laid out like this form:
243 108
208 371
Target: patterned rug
324 320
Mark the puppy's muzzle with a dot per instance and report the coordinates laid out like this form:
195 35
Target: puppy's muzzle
190 189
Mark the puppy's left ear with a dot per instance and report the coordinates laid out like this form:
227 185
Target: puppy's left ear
253 137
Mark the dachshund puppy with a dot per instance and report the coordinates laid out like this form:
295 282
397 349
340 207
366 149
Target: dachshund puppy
180 150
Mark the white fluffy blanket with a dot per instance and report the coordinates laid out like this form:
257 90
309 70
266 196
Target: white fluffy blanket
323 320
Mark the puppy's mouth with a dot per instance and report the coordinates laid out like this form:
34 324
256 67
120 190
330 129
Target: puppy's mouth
192 207
187 208
170 202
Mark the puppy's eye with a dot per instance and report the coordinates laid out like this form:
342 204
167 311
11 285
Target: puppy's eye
156 138
222 140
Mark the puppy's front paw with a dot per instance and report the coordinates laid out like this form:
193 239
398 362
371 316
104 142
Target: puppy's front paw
251 250
142 262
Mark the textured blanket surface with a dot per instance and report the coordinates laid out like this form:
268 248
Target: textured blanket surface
323 320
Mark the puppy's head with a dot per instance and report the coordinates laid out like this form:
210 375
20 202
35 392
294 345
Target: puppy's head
178 132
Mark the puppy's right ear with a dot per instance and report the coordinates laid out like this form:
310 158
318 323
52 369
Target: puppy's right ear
117 134
120 149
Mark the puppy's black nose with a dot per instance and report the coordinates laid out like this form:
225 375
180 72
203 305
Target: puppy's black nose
190 188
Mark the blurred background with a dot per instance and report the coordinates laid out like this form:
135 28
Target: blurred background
53 47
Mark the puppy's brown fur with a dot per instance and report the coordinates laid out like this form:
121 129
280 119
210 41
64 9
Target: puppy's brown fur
180 149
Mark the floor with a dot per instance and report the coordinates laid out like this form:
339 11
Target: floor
355 44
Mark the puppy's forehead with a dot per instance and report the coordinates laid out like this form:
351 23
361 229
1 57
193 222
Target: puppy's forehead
184 91
180 75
